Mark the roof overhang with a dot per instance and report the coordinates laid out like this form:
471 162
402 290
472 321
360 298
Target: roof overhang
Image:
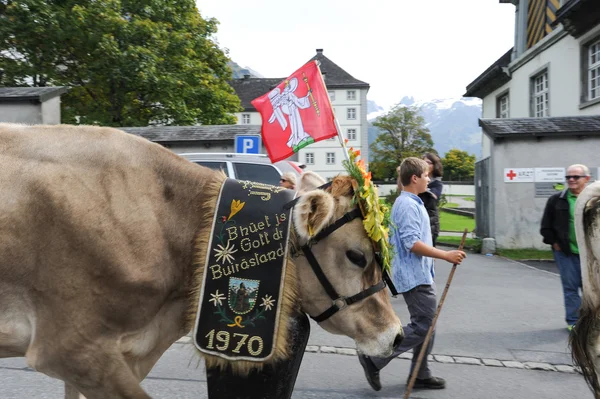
527 128
491 79
201 133
578 16
30 94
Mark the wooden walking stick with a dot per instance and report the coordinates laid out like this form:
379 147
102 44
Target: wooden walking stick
413 377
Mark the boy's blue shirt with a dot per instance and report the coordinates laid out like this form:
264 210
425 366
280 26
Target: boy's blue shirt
410 223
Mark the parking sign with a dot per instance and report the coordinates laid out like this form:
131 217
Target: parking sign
247 143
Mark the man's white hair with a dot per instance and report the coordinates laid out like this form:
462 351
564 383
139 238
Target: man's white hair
586 170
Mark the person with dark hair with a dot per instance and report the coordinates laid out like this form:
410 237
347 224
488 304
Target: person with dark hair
431 197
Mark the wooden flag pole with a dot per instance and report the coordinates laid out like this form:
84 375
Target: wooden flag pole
413 377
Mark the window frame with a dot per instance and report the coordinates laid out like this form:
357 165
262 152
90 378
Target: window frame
309 155
331 94
348 111
350 97
545 92
501 96
586 69
348 133
327 159
244 116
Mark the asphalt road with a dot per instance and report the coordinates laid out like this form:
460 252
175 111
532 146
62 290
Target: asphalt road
504 319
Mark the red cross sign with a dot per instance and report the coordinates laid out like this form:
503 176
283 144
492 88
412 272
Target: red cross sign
519 175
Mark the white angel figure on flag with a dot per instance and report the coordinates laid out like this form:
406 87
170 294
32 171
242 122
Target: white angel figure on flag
289 104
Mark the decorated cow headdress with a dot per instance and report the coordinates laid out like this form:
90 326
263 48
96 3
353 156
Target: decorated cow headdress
374 212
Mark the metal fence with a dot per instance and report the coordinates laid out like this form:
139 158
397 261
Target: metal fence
482 198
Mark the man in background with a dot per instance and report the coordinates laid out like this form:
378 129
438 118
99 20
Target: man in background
558 230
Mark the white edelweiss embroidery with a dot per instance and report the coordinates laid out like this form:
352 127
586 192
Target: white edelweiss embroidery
268 302
216 298
225 254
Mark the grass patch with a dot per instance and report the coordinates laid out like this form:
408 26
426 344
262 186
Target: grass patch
469 199
473 244
450 205
525 254
452 222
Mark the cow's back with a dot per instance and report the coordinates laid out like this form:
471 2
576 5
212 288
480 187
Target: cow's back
90 221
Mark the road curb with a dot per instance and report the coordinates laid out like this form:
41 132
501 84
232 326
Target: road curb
447 359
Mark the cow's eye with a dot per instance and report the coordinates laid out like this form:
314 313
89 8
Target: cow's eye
357 257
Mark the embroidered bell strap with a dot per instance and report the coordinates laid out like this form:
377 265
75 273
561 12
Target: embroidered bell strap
243 282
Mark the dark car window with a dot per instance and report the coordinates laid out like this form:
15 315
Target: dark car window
258 173
214 165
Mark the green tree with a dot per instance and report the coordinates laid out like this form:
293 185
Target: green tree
402 134
128 62
458 165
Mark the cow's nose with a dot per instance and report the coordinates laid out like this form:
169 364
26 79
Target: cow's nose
398 340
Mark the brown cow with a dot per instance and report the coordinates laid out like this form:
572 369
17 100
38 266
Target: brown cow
585 337
97 256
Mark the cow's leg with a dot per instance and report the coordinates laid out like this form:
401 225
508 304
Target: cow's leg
72 393
96 372
118 383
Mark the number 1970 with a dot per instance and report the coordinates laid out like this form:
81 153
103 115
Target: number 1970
254 344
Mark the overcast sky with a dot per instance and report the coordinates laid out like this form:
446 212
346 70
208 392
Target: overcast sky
424 48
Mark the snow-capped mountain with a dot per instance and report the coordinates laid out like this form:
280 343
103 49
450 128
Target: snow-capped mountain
238 72
452 122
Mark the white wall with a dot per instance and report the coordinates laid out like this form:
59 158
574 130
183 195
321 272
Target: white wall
255 118
21 112
516 213
51 111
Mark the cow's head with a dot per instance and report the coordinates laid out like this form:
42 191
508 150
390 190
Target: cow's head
347 259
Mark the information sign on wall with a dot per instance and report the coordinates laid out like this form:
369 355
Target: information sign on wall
549 175
519 175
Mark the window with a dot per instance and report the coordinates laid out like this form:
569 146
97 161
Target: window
254 172
330 158
539 100
351 95
351 134
331 95
593 71
245 119
310 158
502 106
351 113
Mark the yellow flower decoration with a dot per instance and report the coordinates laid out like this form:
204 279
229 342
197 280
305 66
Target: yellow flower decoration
236 206
373 211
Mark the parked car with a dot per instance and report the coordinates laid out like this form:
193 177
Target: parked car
253 167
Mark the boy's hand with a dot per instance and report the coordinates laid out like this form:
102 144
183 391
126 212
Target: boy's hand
455 256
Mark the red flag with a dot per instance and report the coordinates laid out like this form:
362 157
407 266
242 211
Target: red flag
296 113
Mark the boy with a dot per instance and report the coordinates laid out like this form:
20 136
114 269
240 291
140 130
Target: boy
413 272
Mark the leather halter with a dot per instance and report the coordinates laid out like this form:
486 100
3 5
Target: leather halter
339 302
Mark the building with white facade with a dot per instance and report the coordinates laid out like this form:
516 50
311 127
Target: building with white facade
31 105
541 102
349 99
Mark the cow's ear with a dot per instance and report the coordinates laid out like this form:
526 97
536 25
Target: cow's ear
309 181
313 212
